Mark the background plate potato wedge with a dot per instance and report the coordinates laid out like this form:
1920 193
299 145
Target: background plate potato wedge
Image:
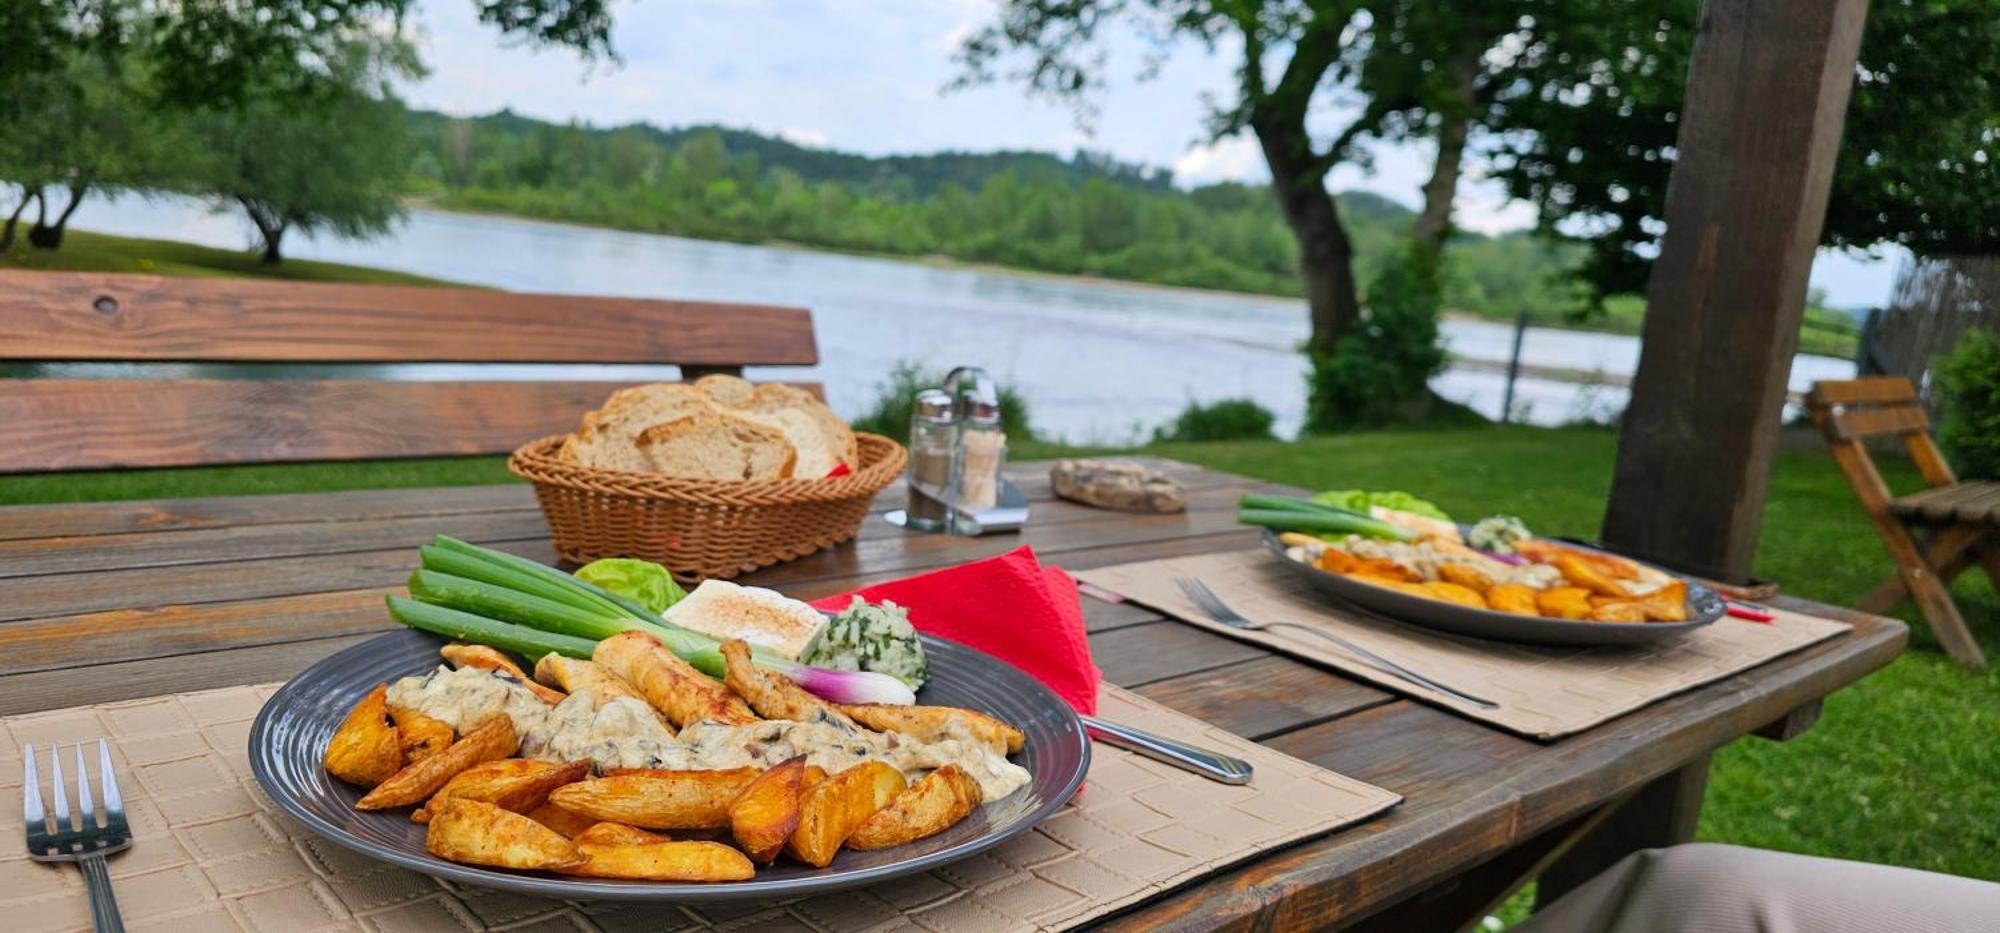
421 735
569 824
766 813
492 739
658 799
932 805
664 861
931 723
366 749
837 806
477 833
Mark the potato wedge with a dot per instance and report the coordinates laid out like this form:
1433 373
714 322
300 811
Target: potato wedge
664 861
773 696
516 784
1512 597
1336 560
682 694
489 658
1391 583
576 676
1618 610
764 815
421 735
932 723
1455 593
932 805
571 825
1564 602
658 799
1584 573
477 833
814 774
618 834
366 749
834 809
489 741
1465 575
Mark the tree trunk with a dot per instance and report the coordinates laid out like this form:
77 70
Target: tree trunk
1454 124
14 219
270 227
1326 257
44 235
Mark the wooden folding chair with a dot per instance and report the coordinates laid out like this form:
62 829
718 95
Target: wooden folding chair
1961 521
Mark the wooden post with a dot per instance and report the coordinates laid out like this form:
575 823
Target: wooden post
1767 92
1513 368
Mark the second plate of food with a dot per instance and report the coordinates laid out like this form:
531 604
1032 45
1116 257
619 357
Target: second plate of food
1704 606
289 739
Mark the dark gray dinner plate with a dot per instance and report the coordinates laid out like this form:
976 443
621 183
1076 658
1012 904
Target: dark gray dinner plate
291 732
1704 606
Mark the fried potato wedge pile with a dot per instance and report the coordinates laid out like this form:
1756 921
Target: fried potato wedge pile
1588 586
482 806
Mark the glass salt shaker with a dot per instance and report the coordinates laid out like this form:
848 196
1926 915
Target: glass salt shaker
933 432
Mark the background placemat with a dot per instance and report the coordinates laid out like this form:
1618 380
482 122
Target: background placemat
212 852
1544 692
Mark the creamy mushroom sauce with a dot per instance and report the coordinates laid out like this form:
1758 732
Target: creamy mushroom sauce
626 733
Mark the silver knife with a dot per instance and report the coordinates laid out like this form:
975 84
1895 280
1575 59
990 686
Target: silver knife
1213 765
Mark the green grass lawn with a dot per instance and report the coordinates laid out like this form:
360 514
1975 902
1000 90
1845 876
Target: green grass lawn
84 251
1902 768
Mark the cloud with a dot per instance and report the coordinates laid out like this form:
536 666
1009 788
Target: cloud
1231 158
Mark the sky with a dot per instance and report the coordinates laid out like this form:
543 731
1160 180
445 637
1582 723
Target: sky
870 76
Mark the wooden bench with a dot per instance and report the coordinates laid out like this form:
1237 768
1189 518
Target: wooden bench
1961 520
84 423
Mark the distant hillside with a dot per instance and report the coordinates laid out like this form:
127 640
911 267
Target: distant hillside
1086 214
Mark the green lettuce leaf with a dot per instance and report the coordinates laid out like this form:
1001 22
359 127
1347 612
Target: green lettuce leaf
642 581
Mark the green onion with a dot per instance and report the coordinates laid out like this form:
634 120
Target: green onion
499 602
475 567
1331 522
464 626
1260 502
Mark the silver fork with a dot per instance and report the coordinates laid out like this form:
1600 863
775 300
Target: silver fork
1205 599
81 841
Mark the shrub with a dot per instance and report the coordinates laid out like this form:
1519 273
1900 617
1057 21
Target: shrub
1231 419
1380 371
889 414
1968 383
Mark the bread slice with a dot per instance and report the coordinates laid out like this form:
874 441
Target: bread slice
608 439
764 618
839 438
718 446
816 454
732 391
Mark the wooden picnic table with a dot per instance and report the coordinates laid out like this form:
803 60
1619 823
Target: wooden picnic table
117 600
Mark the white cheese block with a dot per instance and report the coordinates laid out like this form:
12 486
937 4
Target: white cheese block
764 618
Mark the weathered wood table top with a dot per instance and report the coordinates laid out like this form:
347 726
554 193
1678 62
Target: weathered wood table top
109 601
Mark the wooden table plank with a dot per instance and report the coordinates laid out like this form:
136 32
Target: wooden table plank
71 519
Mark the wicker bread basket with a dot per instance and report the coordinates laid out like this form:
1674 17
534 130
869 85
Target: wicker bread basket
701 528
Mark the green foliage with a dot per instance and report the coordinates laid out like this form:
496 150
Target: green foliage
896 397
333 161
1380 371
1589 121
1968 383
1231 419
84 251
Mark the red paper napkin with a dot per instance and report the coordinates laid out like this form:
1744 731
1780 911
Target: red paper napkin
1010 607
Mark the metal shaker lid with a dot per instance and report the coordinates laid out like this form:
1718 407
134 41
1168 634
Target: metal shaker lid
982 411
933 405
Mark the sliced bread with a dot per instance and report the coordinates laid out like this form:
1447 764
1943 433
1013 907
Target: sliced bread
718 446
733 391
816 454
609 436
839 437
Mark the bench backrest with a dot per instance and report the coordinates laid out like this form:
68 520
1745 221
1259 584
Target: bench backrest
1850 413
79 423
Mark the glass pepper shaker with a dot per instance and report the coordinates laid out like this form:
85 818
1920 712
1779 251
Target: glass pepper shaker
933 434
981 449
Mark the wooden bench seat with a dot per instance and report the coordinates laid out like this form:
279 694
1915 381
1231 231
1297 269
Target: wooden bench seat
82 423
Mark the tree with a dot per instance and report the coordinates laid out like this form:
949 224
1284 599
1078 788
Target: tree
1591 112
1290 51
336 165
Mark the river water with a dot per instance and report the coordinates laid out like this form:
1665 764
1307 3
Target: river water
1097 361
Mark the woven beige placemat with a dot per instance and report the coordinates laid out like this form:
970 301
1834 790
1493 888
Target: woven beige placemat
1543 692
213 853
